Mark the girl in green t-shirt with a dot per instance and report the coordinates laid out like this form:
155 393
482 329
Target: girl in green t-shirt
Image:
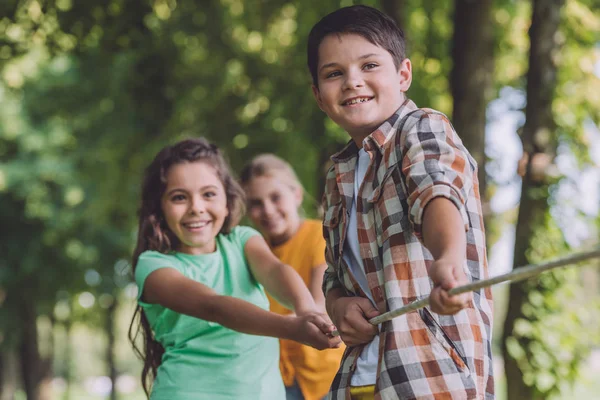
201 305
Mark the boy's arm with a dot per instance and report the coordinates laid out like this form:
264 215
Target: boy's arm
439 178
351 317
349 314
444 236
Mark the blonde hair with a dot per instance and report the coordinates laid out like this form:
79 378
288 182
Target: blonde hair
272 166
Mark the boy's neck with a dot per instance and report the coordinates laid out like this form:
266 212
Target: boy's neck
358 138
359 135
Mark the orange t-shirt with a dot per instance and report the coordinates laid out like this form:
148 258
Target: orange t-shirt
314 370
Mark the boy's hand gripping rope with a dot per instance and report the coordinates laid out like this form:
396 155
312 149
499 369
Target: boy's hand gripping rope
517 274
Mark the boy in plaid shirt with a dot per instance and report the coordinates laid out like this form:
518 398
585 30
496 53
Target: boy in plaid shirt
402 221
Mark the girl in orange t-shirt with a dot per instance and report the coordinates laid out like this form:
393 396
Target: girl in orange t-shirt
274 198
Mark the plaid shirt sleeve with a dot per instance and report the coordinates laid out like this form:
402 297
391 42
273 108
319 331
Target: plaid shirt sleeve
330 278
434 164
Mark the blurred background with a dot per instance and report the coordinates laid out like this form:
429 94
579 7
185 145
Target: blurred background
90 90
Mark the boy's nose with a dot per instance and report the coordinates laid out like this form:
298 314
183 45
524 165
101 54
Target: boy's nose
353 80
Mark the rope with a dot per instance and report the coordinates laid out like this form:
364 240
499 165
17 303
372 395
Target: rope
516 275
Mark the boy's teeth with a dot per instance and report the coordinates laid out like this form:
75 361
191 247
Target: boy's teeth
360 100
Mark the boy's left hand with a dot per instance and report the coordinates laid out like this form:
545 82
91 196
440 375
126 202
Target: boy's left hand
446 275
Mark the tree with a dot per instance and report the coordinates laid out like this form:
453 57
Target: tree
471 78
536 234
91 90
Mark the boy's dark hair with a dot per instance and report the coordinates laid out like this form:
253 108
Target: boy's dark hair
368 22
154 234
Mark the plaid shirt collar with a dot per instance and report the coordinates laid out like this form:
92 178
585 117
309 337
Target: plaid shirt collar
377 138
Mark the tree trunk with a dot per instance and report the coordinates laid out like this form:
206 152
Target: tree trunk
33 368
394 9
68 325
538 139
471 78
3 361
110 349
9 379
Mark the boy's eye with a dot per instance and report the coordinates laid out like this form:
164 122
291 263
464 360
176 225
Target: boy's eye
370 66
178 197
333 74
209 194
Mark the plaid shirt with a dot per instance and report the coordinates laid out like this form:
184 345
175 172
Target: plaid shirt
415 156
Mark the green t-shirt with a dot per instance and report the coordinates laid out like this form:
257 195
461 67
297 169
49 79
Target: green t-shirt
205 360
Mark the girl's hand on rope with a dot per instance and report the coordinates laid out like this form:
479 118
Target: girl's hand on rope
446 275
327 327
351 316
315 330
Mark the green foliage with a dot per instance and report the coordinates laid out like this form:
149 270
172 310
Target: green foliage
548 343
40 201
428 30
578 92
512 20
91 90
556 330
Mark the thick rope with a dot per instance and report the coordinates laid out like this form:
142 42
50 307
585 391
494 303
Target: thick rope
517 274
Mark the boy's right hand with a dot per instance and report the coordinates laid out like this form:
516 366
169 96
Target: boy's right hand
351 316
315 330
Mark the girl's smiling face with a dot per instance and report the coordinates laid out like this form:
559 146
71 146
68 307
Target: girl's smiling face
273 207
194 206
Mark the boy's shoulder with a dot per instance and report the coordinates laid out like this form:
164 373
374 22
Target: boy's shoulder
403 120
414 127
414 119
408 120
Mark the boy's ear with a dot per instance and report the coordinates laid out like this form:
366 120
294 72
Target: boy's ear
405 74
317 95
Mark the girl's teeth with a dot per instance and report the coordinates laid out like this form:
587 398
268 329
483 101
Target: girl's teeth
196 225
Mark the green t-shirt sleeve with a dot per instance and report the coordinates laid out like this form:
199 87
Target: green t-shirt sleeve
243 233
149 262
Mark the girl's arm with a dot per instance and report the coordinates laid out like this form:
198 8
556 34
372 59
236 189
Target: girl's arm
280 280
171 289
316 285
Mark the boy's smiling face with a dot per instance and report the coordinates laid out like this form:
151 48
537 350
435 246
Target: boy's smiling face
359 84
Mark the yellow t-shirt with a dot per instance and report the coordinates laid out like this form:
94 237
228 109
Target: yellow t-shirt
314 370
